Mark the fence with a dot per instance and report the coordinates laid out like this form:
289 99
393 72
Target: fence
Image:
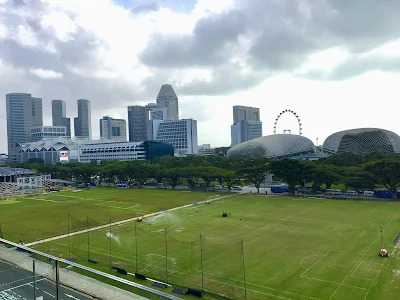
31 274
199 263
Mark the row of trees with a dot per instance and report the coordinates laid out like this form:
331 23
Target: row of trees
354 171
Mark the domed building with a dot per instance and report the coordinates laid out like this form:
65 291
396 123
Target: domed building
273 146
363 141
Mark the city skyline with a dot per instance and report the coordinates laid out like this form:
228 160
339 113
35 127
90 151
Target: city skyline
273 62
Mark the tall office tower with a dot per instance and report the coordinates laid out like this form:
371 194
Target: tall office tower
244 131
245 113
37 112
83 123
137 123
182 134
113 129
167 98
19 122
59 115
246 124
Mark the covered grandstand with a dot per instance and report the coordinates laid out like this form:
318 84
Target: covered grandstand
274 146
19 181
362 141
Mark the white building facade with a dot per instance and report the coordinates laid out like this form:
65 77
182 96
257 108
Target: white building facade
64 149
182 134
47 132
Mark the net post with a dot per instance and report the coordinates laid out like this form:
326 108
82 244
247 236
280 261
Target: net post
110 246
201 265
69 237
88 238
244 272
136 247
191 256
166 255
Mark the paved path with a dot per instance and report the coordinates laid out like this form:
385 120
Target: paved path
121 222
22 263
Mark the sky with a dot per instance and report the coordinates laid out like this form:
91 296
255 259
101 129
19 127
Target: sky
336 63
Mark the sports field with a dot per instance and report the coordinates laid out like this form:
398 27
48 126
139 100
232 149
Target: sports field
294 248
32 218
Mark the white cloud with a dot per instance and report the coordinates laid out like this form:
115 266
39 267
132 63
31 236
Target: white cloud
324 60
26 36
61 24
46 74
110 73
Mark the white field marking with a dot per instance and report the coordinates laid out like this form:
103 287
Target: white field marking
121 222
262 286
373 281
366 251
110 206
337 283
376 277
259 292
18 286
359 264
301 262
46 200
315 263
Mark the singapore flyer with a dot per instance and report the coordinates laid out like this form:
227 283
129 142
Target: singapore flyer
289 111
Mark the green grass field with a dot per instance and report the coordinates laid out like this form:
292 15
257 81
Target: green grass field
294 248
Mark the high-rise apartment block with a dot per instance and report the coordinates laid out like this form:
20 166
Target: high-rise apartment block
246 124
182 134
59 115
113 129
23 112
83 123
167 98
137 123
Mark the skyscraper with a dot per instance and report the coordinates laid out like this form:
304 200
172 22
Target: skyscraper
21 113
167 98
37 112
83 123
59 115
137 123
113 129
246 124
245 113
244 131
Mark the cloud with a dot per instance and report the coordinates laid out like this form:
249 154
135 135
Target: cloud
46 74
119 52
270 36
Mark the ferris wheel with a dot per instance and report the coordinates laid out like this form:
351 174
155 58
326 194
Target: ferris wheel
288 130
